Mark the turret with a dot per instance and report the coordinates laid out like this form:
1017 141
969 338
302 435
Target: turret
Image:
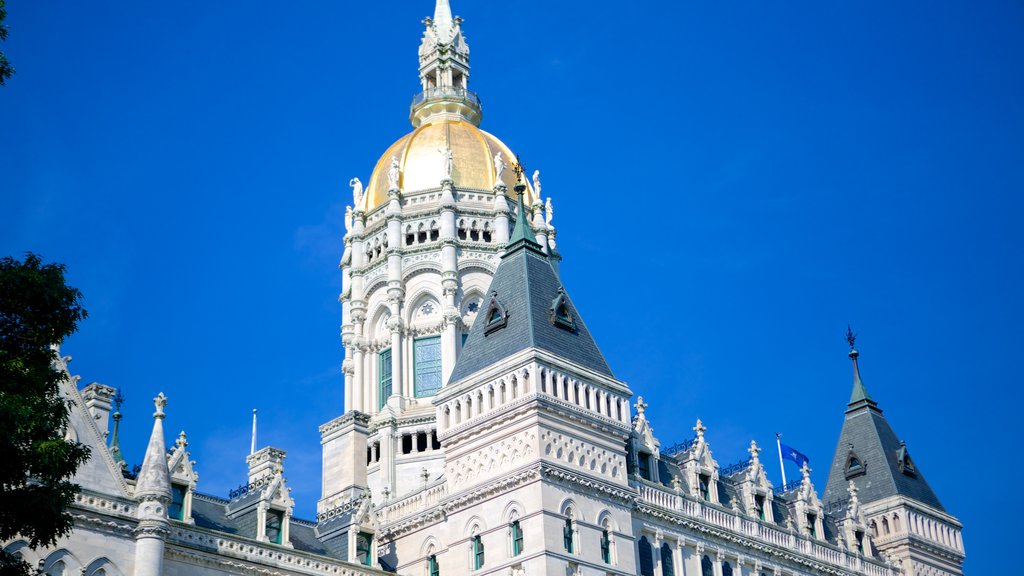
153 493
905 519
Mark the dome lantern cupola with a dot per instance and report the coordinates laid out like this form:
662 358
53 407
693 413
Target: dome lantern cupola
444 72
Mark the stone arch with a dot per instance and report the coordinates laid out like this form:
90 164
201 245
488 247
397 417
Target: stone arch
61 559
418 299
102 566
475 525
607 521
513 511
568 507
430 545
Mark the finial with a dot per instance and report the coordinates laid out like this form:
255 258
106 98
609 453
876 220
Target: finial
182 440
641 406
860 392
160 401
806 471
521 231
699 429
754 452
118 400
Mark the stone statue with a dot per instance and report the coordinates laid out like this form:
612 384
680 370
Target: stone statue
348 219
357 192
446 156
536 183
548 213
393 173
499 168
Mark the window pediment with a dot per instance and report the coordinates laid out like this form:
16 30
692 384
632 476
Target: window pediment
559 312
855 466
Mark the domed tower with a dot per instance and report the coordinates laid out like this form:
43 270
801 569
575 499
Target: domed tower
423 239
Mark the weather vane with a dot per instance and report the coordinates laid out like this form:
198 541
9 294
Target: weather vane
518 169
118 400
851 338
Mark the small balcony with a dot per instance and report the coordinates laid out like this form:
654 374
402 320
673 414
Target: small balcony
450 101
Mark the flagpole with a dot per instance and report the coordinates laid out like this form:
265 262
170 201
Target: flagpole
782 468
252 445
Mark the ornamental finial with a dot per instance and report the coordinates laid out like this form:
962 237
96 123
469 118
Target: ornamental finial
851 338
699 429
160 401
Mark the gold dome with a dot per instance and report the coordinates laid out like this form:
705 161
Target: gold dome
422 167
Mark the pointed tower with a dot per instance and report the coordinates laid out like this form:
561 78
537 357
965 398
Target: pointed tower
153 493
534 428
423 239
905 518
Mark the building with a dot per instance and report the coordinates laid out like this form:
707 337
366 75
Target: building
483 431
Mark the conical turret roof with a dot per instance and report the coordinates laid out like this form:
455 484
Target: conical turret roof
871 455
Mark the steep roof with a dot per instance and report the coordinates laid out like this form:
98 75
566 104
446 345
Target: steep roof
527 293
885 466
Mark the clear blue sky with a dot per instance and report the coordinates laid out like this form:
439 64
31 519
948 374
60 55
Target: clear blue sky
733 182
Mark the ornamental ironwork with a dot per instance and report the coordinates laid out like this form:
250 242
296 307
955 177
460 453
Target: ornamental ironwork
245 489
736 467
679 447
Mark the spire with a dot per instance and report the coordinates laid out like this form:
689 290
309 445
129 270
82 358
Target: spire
155 478
868 439
115 441
860 396
443 18
522 236
444 72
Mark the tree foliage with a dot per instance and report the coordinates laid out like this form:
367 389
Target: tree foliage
5 67
37 312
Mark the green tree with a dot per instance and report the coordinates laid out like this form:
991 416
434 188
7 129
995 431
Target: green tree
5 67
37 311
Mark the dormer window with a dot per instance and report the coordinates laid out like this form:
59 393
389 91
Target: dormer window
275 525
854 465
559 312
496 317
176 511
644 465
812 521
363 542
858 537
759 506
903 461
704 484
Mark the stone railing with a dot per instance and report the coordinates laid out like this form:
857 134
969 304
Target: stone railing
412 504
713 515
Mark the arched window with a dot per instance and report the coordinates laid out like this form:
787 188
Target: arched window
706 567
516 533
432 568
606 546
478 552
726 569
384 376
646 560
885 526
667 568
568 534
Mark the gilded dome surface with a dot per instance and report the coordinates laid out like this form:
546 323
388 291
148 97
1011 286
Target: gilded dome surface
422 166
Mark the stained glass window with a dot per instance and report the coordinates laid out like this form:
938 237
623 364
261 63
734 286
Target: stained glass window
427 366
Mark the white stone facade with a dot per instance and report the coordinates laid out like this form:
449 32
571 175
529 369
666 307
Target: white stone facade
533 463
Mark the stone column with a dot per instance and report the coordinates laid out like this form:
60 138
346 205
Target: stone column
396 289
450 340
358 304
501 225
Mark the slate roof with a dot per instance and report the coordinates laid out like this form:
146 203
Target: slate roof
877 447
210 512
526 286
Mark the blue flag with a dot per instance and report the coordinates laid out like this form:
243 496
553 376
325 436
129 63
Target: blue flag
794 456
